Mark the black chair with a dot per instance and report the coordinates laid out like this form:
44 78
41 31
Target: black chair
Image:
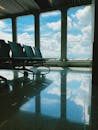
35 55
4 60
4 50
29 51
37 52
18 57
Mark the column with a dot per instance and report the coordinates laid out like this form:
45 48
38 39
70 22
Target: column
37 30
14 29
63 34
14 39
63 96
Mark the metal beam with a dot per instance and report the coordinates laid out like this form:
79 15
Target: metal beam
63 34
37 30
14 30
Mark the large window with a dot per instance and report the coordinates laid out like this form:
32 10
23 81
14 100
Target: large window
25 30
50 34
6 29
79 33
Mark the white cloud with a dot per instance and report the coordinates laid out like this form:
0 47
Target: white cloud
49 101
55 77
84 16
57 36
83 98
51 46
80 44
26 38
78 49
81 95
7 74
74 38
54 25
2 25
49 14
54 91
29 28
6 36
80 19
69 23
5 31
87 32
5 27
72 76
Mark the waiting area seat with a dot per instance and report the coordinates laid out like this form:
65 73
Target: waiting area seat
15 56
35 56
24 55
4 60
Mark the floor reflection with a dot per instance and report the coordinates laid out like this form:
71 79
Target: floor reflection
62 97
78 96
50 97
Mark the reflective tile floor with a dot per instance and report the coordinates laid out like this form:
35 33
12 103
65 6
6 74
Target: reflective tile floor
59 100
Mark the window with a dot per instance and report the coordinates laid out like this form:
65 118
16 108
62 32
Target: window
6 29
79 33
25 30
50 34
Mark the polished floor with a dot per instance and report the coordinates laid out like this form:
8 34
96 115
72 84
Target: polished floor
59 100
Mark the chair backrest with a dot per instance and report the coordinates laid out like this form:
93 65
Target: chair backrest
29 51
37 52
17 49
4 49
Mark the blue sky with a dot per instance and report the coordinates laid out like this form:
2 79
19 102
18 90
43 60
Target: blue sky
79 32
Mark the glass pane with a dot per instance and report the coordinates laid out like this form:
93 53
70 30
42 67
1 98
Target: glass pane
50 31
6 30
25 30
79 33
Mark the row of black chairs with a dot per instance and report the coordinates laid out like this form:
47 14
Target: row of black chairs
17 56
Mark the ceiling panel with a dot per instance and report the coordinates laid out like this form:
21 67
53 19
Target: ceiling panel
28 4
10 8
44 4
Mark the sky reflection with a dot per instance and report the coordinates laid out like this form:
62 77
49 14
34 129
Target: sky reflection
70 90
7 74
29 106
78 96
50 97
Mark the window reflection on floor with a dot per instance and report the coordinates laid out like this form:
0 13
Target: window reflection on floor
7 74
29 106
50 97
78 96
67 96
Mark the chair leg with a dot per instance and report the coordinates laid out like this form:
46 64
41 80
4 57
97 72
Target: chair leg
4 81
25 74
1 77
